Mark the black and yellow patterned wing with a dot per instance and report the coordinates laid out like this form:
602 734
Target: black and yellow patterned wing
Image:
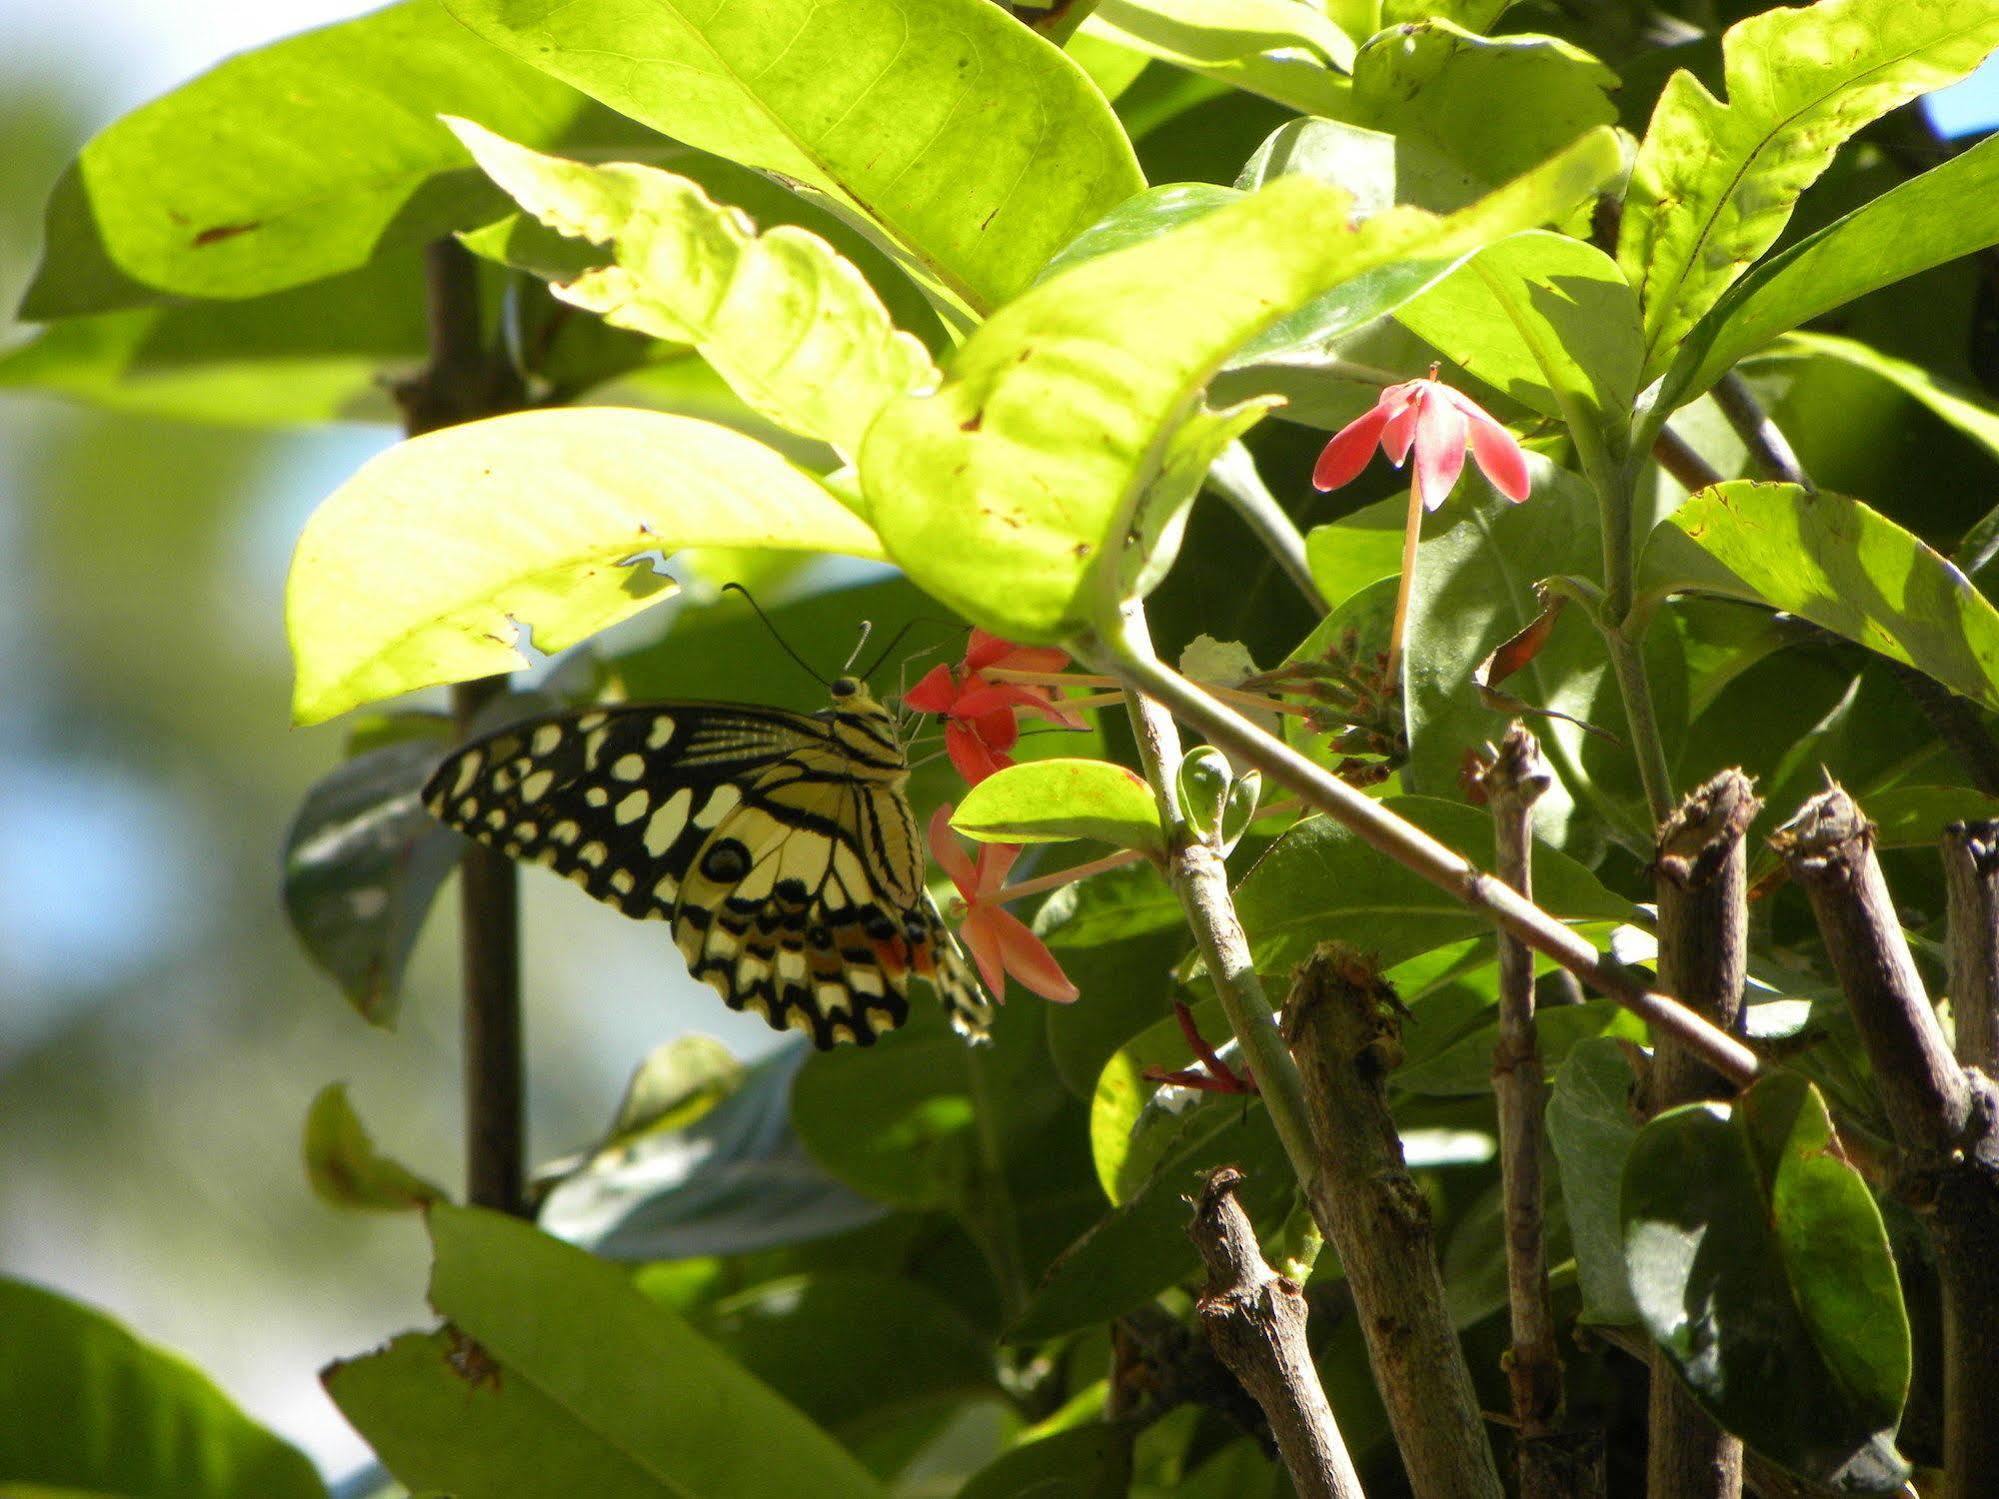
781 846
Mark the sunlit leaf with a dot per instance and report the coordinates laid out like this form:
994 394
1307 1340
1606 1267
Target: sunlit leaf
792 326
300 160
91 1408
431 562
1044 551
1284 52
978 147
1714 183
1050 800
1759 1264
1838 563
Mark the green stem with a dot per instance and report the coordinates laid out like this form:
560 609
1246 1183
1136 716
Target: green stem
1412 533
1616 486
1200 879
1628 660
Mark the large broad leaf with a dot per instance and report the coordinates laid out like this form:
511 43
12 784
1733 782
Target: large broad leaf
1320 883
976 145
795 329
1839 564
297 161
363 861
1068 414
1377 168
1092 1461
89 1408
557 1377
1714 183
1948 211
437 557
1048 801
1282 51
1493 105
1546 319
732 1180
1591 1124
1760 1265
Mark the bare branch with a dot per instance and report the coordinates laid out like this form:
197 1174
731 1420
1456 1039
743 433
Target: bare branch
1769 449
1971 873
1255 1321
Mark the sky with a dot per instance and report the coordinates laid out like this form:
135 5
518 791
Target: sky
121 53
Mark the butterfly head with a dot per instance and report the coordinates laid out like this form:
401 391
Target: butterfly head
844 688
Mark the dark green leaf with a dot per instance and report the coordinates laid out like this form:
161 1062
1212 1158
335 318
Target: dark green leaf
1591 1124
1465 1066
89 1407
1760 1265
1085 1462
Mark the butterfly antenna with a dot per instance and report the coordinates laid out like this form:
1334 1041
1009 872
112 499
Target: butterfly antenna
887 650
867 629
805 665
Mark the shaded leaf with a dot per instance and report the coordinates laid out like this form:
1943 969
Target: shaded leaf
363 861
1465 1066
1084 1462
1591 1124
1760 1266
90 1407
346 1169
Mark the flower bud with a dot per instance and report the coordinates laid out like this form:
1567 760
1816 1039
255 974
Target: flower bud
1204 789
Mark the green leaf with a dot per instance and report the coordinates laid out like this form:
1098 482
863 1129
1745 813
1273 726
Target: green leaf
1263 48
1141 218
362 862
346 1169
795 329
1546 319
425 565
1839 564
1320 883
1354 551
1472 15
1948 211
1591 1124
1378 169
1044 552
1047 801
1084 1462
1495 106
1110 907
702 1160
976 145
1915 816
1464 1068
1135 1123
1142 1248
1957 405
1714 184
557 1377
297 161
91 1408
1760 1266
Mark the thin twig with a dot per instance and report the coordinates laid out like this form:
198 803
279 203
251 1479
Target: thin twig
1234 477
1971 874
1255 1321
1344 1025
1382 830
1769 449
1701 880
462 381
1515 779
1678 458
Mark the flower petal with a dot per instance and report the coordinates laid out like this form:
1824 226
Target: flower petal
935 693
972 757
1028 959
949 853
1498 453
1440 448
995 864
980 698
1348 452
983 942
1401 429
984 650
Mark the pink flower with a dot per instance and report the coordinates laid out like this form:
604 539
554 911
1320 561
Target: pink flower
980 724
999 941
1439 422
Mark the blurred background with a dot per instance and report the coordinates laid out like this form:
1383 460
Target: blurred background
160 1032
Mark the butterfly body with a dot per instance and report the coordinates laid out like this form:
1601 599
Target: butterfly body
780 846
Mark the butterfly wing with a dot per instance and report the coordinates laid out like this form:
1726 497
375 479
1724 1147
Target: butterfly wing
781 846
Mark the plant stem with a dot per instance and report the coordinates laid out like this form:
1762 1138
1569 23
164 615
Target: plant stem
462 381
1971 876
1068 876
1769 449
1233 475
1407 844
1412 535
1635 686
1200 878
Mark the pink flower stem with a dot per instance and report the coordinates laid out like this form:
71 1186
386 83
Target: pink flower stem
1063 877
1412 532
1235 695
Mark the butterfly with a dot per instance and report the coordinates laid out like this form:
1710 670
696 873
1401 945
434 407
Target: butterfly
780 845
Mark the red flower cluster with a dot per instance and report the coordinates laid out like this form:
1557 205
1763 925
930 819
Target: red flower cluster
999 941
980 725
